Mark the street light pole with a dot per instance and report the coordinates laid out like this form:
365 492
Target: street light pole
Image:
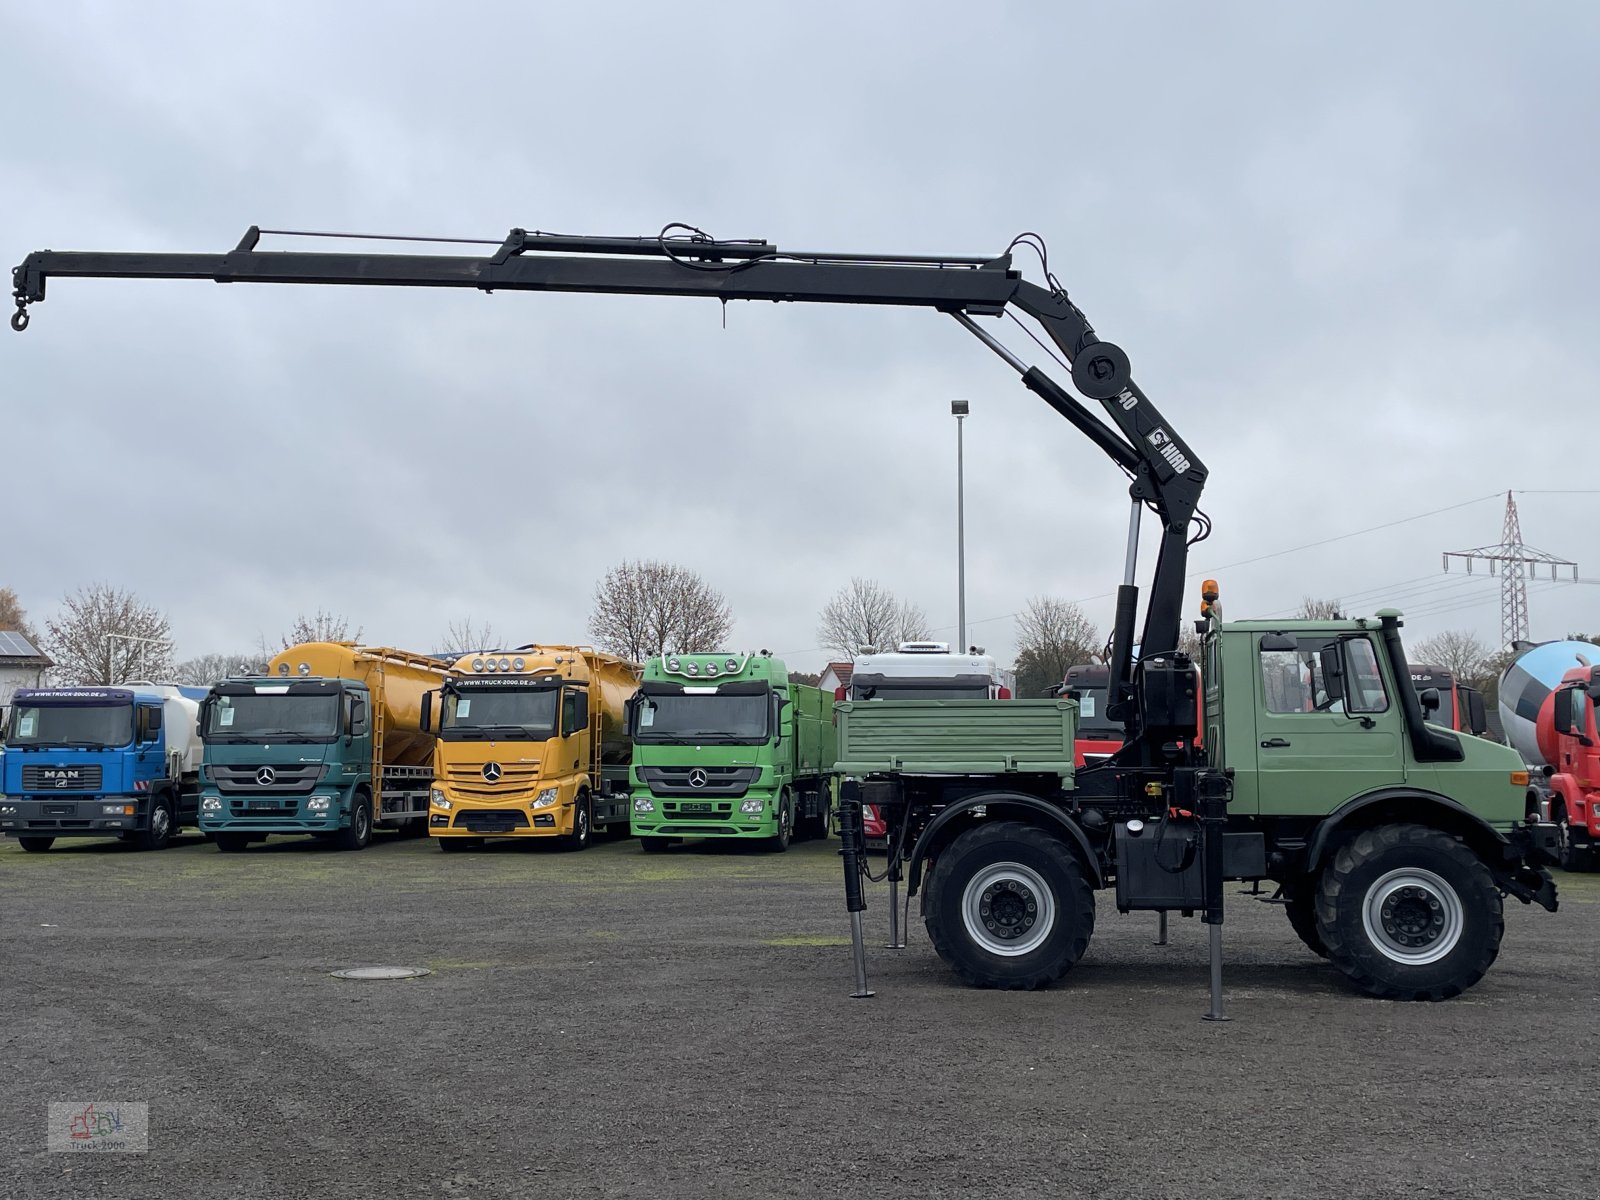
958 409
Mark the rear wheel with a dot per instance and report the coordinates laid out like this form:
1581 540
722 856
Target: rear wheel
158 833
36 845
1409 913
1301 909
231 843
817 825
358 833
1009 906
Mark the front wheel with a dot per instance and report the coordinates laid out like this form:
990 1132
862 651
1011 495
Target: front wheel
358 833
36 845
158 833
582 825
779 842
231 843
1009 906
654 845
1409 913
1572 857
455 845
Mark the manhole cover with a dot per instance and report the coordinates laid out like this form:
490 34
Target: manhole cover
381 973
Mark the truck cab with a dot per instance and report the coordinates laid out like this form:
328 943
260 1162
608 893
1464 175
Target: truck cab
286 755
1446 702
100 762
726 747
1569 737
531 744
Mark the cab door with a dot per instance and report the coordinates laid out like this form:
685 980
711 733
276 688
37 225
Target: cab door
1322 735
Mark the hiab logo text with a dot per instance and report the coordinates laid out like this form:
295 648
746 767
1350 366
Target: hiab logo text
99 1126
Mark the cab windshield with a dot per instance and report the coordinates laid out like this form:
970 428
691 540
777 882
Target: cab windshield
1092 719
254 717
97 725
740 719
920 689
524 713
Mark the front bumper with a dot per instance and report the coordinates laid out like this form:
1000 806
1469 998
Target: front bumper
272 814
675 816
501 817
21 816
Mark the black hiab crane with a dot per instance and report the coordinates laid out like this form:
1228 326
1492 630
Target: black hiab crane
1166 475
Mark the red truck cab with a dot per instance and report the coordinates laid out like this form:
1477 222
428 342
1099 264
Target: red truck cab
1570 743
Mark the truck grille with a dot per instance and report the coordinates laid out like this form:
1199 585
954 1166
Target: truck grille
84 777
286 777
514 777
492 820
731 782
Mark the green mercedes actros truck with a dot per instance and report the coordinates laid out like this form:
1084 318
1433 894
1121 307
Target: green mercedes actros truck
724 746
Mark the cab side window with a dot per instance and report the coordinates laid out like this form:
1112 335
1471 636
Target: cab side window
1296 681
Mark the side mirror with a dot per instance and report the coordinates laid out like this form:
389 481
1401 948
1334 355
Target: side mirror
1477 722
358 716
203 719
425 721
1430 700
1561 716
1333 672
349 716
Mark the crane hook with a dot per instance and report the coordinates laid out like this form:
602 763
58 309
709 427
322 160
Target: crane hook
19 319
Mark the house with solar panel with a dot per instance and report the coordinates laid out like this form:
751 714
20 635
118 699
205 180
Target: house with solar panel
22 664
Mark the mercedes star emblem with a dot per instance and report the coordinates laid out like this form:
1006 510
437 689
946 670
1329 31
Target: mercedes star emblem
492 771
265 776
698 777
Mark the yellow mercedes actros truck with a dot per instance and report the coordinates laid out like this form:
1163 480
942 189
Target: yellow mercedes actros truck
533 743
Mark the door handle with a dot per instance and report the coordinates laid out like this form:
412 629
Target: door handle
1274 743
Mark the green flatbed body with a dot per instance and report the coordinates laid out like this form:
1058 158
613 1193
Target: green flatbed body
957 737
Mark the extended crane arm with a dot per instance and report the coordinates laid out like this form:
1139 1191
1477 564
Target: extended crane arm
1167 476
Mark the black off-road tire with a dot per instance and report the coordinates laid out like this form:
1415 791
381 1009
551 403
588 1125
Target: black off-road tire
158 833
1300 906
231 843
1409 913
36 845
357 834
1015 864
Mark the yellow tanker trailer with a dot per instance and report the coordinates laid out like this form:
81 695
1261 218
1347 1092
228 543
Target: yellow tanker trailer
329 742
533 743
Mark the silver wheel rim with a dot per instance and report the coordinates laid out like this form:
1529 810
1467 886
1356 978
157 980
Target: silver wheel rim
1008 909
1413 916
785 820
159 823
363 823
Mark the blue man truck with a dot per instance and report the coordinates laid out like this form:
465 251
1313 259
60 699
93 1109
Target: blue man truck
101 762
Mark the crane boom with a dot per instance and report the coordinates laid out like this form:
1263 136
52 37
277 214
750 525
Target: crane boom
1166 474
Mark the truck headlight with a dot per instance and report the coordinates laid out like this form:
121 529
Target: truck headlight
546 798
643 804
8 810
211 804
436 798
752 806
317 804
116 810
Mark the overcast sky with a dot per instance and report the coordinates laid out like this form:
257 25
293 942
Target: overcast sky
1350 252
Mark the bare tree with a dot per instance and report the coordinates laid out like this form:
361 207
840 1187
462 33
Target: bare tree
1312 609
463 637
13 617
1458 651
324 627
647 608
1052 635
205 669
865 613
105 635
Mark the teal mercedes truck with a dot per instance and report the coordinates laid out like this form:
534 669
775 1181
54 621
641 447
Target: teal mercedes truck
724 746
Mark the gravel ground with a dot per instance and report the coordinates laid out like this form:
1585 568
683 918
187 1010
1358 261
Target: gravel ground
616 1024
